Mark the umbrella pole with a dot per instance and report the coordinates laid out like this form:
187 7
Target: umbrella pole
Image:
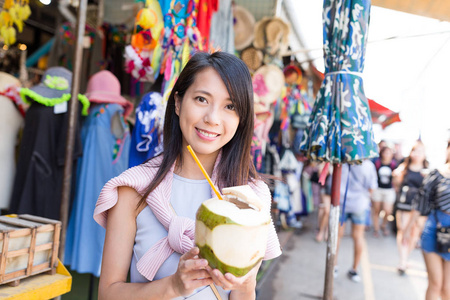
73 118
333 229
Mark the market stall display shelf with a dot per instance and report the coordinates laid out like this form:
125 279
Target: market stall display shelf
40 287
29 246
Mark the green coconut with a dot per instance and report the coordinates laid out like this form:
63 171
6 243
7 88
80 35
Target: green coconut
232 235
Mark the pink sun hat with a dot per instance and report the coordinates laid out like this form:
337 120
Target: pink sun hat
104 87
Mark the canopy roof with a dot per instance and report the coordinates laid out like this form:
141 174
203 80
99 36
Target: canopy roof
436 9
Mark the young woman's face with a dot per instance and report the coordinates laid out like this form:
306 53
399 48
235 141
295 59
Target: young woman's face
388 154
208 118
418 154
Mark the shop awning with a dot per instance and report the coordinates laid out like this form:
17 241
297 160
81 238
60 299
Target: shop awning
437 9
382 115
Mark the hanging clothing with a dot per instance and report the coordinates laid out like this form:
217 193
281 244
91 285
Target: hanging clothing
206 8
11 121
146 139
106 144
221 34
40 169
63 49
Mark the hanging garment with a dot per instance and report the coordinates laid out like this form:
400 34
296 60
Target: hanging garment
62 52
10 123
206 8
146 140
40 169
221 34
106 144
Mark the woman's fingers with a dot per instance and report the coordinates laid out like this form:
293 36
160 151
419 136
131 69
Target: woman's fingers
190 254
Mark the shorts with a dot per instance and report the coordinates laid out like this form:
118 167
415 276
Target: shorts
356 218
428 240
384 195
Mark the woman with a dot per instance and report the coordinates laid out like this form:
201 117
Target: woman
383 198
408 178
434 200
149 211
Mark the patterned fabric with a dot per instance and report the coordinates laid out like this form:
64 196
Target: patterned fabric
340 126
146 140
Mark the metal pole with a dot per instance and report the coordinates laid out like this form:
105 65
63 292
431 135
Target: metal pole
73 118
333 226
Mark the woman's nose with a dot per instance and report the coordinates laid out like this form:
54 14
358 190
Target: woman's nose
213 116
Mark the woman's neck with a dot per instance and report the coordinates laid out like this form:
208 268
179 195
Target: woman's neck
416 166
386 161
190 169
445 170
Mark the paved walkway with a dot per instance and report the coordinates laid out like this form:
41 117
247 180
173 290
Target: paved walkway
299 273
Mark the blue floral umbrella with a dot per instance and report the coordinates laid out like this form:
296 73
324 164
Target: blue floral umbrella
340 126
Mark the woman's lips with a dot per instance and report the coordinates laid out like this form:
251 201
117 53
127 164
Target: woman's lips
206 135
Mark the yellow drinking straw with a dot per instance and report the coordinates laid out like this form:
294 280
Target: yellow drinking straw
204 172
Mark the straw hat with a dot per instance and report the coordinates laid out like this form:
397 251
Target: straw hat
244 23
7 80
252 57
271 34
104 87
268 83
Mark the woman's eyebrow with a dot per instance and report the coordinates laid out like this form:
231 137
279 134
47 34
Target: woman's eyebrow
203 92
207 93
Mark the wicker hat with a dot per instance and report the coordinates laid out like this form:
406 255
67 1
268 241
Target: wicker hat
271 34
252 57
268 83
244 24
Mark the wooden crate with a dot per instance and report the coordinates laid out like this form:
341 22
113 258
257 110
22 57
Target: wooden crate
29 245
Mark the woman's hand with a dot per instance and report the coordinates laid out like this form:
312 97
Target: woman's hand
191 274
245 285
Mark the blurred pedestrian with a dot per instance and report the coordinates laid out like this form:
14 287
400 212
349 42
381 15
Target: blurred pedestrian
324 207
383 198
407 179
362 180
433 200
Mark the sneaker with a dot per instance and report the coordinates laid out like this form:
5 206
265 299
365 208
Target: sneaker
353 276
335 271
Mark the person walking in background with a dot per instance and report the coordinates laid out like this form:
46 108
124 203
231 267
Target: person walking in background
324 206
407 179
383 198
433 200
362 180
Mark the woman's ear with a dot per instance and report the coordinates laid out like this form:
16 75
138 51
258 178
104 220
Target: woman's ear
177 103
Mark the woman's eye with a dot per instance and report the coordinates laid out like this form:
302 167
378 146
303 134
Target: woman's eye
230 107
201 99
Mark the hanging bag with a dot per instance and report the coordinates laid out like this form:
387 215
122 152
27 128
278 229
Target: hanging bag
442 236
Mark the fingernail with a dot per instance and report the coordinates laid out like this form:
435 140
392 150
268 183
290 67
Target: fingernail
204 262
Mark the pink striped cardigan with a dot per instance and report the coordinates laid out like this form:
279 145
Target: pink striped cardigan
180 230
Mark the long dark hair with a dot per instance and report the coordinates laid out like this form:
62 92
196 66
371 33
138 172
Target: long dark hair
236 165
